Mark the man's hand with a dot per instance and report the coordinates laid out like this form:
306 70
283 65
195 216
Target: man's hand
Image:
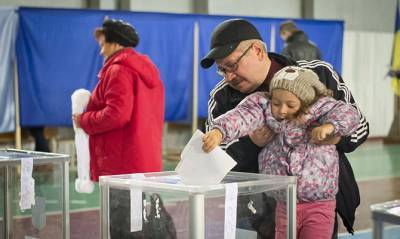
330 140
301 119
322 134
261 136
211 140
75 119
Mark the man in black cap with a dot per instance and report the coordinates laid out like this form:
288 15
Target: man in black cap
242 60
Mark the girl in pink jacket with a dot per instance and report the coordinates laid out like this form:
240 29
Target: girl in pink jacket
300 111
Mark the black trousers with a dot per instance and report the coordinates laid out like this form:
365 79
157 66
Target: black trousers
41 143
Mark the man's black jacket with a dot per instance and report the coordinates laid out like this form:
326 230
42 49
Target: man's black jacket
298 47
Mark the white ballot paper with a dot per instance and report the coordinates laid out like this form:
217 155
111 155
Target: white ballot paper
27 195
199 168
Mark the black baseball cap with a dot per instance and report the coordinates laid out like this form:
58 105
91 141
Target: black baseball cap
226 37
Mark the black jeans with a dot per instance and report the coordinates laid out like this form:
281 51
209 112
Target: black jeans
41 143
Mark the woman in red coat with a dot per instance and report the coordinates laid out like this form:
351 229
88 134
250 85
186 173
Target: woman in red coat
125 115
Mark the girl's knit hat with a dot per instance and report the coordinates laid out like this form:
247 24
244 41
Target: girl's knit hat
304 83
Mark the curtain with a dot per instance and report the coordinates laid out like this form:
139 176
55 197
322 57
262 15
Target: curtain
8 26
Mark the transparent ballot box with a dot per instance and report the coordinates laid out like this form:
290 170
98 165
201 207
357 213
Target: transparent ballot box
47 215
159 205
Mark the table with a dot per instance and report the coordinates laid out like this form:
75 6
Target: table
387 212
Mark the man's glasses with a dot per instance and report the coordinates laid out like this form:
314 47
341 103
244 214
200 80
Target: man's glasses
222 71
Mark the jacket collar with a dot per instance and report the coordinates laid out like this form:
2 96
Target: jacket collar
111 59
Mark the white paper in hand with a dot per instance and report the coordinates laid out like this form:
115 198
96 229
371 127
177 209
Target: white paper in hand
199 168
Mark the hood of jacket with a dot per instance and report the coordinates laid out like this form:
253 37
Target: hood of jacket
298 36
138 63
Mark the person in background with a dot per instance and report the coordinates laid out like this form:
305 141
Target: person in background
296 102
297 46
124 117
41 143
242 60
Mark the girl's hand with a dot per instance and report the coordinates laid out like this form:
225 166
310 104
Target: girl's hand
321 133
211 140
329 141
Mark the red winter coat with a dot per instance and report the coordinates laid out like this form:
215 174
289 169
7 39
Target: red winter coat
125 116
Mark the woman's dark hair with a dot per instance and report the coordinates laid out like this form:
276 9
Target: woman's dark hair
117 31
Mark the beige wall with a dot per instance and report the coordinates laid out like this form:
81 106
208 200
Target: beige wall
44 3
